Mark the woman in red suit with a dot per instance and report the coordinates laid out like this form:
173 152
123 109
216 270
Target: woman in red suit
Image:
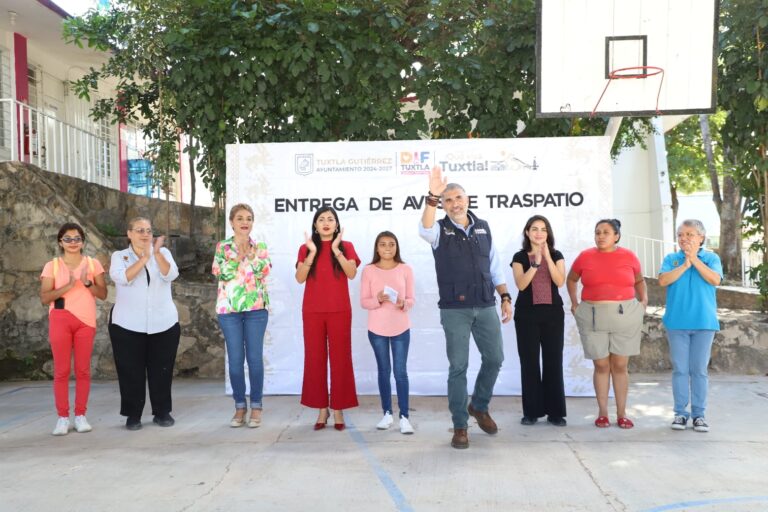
326 264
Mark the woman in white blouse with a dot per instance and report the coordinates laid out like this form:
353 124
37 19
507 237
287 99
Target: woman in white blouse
144 324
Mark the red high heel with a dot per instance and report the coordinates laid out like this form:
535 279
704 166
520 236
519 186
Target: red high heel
321 426
339 426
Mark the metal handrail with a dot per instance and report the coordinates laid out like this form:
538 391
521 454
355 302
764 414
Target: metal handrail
30 135
651 253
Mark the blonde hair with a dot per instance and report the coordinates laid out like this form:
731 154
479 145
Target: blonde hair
134 220
237 208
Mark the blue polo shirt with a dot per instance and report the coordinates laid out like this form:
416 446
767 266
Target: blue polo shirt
691 301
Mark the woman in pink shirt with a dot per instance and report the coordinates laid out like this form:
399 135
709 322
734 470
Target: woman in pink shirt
71 283
610 315
386 291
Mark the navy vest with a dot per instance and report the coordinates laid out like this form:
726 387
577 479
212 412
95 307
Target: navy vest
463 265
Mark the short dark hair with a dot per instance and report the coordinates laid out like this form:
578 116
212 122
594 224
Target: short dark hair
69 226
615 224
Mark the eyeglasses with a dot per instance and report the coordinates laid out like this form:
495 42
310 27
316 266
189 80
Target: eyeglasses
71 240
687 235
143 231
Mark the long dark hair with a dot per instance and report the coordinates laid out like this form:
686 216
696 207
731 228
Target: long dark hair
69 226
318 242
550 235
386 234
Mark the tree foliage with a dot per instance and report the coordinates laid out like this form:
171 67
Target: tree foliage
743 92
227 71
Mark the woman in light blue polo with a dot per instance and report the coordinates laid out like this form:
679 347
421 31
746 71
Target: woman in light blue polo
690 275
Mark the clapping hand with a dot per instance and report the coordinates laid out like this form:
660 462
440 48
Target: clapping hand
337 241
159 241
311 247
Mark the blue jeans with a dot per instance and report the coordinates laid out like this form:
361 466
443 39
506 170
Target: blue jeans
689 351
244 336
484 325
399 346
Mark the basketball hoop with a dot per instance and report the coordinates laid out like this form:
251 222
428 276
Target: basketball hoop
632 72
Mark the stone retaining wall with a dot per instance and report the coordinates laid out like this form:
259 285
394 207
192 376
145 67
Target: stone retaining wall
33 206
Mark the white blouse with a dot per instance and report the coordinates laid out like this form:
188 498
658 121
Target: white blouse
142 306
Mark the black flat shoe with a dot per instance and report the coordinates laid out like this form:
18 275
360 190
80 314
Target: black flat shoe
164 420
133 423
557 421
528 420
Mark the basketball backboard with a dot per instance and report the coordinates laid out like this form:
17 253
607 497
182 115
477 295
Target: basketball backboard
587 49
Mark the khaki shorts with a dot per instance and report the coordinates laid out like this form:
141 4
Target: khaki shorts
613 328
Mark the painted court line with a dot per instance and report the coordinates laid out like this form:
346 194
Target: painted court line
394 492
704 503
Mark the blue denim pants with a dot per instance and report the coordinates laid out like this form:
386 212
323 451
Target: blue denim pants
244 337
689 351
485 327
399 347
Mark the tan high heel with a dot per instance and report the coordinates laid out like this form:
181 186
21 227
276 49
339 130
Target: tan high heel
238 420
254 421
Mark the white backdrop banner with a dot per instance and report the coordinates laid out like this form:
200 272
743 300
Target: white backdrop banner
377 186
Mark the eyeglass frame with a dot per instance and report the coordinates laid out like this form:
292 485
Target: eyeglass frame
142 231
71 240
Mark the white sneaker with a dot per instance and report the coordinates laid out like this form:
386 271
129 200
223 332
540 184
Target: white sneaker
405 426
82 425
385 422
62 427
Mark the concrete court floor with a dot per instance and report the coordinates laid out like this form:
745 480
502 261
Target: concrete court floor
201 464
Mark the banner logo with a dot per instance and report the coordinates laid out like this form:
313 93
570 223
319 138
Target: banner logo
305 164
414 162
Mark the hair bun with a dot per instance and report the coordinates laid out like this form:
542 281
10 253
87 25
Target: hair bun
617 221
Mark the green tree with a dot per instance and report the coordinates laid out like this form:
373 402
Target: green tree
227 71
743 92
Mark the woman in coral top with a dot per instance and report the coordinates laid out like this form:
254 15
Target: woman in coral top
386 291
241 266
325 264
70 284
610 314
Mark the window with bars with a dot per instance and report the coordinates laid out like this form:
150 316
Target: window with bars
5 107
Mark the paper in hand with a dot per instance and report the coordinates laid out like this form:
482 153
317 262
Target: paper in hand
391 293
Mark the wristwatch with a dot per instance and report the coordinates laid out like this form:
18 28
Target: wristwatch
506 296
87 283
535 265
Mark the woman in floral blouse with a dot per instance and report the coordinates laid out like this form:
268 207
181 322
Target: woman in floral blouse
241 266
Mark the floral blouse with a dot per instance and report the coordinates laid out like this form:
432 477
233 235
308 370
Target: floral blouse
242 285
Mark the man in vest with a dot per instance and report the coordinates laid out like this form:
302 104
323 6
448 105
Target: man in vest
468 271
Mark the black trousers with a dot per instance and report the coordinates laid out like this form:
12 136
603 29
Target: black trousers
540 334
142 358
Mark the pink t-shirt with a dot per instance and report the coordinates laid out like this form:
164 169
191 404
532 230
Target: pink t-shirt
79 300
607 275
386 319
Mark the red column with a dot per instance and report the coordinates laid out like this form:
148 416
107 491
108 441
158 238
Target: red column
22 90
122 152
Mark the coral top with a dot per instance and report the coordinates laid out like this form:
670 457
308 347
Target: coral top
607 275
79 300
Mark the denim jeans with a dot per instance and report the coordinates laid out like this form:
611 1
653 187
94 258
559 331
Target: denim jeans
484 325
689 351
399 346
244 336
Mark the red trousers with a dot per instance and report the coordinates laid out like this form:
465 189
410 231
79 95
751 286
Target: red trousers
328 336
68 334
